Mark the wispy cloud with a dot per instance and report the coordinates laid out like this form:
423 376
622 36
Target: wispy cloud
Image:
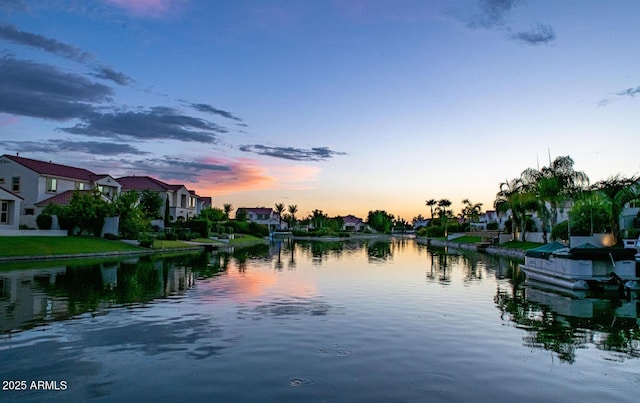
42 91
542 34
148 8
291 153
50 147
206 108
495 15
630 92
156 123
12 34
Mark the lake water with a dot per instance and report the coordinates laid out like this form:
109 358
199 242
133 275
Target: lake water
372 321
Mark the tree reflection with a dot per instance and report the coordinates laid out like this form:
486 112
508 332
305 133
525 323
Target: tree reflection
563 324
379 251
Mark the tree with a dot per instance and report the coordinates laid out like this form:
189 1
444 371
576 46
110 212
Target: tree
318 219
591 214
516 198
380 221
150 202
87 211
279 209
293 209
228 208
132 220
444 214
470 211
214 214
619 190
431 203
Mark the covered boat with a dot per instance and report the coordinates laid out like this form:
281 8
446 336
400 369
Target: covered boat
583 267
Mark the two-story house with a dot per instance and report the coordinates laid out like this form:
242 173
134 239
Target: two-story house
38 182
183 204
263 215
9 210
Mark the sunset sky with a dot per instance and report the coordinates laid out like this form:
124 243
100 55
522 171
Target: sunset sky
340 105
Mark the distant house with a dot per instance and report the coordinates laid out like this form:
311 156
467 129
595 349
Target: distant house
38 181
353 224
9 210
420 223
183 203
263 215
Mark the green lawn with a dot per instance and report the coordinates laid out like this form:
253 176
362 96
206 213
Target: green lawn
46 246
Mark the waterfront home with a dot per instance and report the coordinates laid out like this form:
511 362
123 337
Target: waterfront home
263 215
35 181
9 210
183 203
352 223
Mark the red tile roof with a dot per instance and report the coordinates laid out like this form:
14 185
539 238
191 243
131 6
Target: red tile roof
143 183
51 169
350 219
62 199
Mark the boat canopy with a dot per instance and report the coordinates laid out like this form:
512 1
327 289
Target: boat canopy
590 251
545 251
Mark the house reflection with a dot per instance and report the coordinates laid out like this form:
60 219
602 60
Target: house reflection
33 297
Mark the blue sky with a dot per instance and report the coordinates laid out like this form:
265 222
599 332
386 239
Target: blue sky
343 106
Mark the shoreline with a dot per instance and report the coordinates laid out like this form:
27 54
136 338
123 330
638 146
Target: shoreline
493 250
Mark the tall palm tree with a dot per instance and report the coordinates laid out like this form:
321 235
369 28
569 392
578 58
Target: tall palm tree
293 209
227 208
516 197
443 204
562 182
279 209
431 203
619 190
470 211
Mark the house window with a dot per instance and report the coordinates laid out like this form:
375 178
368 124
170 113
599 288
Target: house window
183 201
80 186
29 211
4 212
192 202
1 181
15 184
52 185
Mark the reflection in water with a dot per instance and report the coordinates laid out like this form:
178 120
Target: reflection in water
273 318
564 323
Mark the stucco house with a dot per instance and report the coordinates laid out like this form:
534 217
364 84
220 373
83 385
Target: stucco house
183 204
263 215
36 181
353 224
10 206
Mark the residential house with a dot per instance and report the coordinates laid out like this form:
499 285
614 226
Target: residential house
183 204
36 181
263 215
10 206
353 224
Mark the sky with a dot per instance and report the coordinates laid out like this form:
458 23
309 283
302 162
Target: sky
345 106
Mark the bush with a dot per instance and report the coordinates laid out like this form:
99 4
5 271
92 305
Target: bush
435 232
199 226
492 226
145 241
229 230
560 231
422 231
44 221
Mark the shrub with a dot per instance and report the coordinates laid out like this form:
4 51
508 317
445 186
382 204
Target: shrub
44 221
560 231
229 230
200 226
145 241
492 226
422 231
435 231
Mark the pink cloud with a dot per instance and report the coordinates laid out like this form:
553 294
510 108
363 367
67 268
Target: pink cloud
243 175
147 8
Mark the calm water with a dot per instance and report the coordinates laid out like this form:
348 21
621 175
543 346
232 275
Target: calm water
358 322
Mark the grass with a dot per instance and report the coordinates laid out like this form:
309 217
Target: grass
164 244
50 246
520 245
241 239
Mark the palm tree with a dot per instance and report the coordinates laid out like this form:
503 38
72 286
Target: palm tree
442 206
227 208
561 183
431 203
514 196
470 211
293 209
619 190
279 210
